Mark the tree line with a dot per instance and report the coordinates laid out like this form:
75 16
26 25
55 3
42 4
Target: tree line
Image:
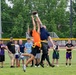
52 13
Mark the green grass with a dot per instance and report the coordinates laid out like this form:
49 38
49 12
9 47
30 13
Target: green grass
62 69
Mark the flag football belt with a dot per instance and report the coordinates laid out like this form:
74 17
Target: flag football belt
34 45
45 41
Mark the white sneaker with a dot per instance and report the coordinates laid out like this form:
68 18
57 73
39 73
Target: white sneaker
35 66
66 65
57 65
39 66
24 68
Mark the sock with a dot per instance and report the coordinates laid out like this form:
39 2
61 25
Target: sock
66 64
69 64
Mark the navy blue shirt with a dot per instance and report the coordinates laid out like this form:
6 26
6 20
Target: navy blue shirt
22 48
44 33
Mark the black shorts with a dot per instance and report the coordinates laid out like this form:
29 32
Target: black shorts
35 50
2 58
55 55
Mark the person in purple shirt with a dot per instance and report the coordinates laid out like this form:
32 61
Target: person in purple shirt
2 53
69 47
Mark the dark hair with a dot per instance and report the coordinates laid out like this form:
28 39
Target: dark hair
28 38
30 32
1 40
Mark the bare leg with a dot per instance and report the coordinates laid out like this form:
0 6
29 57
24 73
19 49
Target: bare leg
69 62
57 62
1 64
53 61
30 59
19 63
12 61
66 62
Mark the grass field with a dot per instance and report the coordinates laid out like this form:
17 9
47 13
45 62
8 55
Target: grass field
61 70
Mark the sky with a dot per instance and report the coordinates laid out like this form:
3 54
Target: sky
11 5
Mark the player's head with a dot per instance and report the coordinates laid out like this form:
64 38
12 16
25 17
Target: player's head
44 26
11 39
69 41
55 42
28 39
20 41
15 42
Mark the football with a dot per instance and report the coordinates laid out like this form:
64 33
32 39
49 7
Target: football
34 12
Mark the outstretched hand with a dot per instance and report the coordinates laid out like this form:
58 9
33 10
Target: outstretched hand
36 15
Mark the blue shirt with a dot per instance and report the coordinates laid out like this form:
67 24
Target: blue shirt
44 33
28 47
22 48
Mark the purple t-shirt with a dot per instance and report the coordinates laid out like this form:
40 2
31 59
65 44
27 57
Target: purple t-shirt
2 52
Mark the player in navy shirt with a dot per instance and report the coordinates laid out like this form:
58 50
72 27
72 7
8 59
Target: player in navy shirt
45 36
21 45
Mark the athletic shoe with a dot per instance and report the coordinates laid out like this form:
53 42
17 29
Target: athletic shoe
32 66
42 65
51 65
24 68
11 66
1 67
35 66
57 65
38 66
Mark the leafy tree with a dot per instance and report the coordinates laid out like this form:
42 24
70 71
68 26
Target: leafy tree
52 13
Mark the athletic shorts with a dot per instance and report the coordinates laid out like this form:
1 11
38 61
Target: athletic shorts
16 56
55 55
38 55
2 58
22 57
68 55
34 50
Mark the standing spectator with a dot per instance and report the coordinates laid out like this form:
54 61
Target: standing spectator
11 51
55 54
28 47
17 50
2 53
21 45
69 47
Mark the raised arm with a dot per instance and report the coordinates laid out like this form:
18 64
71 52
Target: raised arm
38 30
50 39
34 25
28 29
39 21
